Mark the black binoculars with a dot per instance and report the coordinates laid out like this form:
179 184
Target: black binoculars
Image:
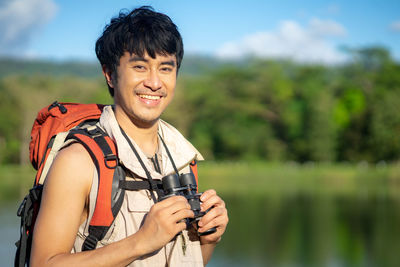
185 185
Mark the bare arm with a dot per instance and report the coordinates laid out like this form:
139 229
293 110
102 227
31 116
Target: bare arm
217 217
63 209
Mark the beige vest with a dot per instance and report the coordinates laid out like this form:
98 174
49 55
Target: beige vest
182 251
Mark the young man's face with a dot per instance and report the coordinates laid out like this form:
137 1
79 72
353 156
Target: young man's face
144 86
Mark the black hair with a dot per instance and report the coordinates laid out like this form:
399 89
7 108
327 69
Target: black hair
139 31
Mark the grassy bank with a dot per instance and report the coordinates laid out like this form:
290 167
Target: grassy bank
291 178
259 178
15 181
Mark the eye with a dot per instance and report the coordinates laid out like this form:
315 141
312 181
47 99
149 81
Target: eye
139 67
167 69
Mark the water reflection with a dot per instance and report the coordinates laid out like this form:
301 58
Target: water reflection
307 230
297 230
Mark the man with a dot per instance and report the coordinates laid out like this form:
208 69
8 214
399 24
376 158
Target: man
140 54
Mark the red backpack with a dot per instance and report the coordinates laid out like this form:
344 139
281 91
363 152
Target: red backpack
55 125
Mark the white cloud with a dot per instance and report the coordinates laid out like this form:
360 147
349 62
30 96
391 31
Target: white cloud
20 20
326 28
291 40
395 26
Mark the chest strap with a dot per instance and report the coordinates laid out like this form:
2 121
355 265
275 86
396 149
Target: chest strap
139 185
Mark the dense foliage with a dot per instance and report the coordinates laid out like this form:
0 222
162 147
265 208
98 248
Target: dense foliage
253 109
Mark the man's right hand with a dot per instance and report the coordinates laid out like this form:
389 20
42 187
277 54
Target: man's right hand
163 222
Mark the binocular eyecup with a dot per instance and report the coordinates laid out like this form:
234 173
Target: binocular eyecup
185 185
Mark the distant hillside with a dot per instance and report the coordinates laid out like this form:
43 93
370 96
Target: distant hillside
191 65
196 64
12 66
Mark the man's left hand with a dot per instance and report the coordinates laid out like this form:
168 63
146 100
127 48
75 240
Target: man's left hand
216 217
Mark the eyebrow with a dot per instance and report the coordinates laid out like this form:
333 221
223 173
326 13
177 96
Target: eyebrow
137 58
167 62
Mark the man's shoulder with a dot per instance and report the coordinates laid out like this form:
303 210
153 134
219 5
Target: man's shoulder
71 171
75 152
74 158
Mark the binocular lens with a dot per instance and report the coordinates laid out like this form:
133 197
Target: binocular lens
170 182
188 179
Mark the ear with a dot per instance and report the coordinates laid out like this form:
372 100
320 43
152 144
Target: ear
108 75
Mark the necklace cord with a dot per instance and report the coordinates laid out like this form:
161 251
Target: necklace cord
153 185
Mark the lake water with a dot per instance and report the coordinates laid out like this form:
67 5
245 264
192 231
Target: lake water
295 230
9 234
304 230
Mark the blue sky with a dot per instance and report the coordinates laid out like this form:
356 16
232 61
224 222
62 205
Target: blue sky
306 31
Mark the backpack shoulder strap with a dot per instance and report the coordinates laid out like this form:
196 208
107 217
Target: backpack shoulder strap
110 196
28 211
193 170
55 144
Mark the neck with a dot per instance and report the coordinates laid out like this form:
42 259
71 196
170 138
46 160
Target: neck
144 134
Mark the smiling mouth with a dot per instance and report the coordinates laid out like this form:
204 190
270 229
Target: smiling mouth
150 97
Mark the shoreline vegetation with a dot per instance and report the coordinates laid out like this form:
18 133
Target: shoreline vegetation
290 178
260 178
253 108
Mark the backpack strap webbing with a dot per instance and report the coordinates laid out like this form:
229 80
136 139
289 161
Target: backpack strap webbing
27 211
104 155
139 185
53 147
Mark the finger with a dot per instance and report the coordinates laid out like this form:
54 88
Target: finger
179 227
172 204
214 200
212 238
170 200
207 194
211 215
218 222
181 215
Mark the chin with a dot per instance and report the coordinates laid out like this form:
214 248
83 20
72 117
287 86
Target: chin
146 121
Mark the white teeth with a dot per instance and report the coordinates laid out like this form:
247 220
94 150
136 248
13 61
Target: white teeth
152 97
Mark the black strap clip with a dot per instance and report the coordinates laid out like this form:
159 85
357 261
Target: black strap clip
90 243
94 131
36 193
21 207
61 107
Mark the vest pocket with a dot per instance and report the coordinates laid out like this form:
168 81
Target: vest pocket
138 201
130 217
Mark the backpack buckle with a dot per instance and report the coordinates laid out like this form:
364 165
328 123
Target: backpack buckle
90 243
21 207
111 157
60 106
36 193
94 131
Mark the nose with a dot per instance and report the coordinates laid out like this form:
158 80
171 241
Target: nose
153 81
